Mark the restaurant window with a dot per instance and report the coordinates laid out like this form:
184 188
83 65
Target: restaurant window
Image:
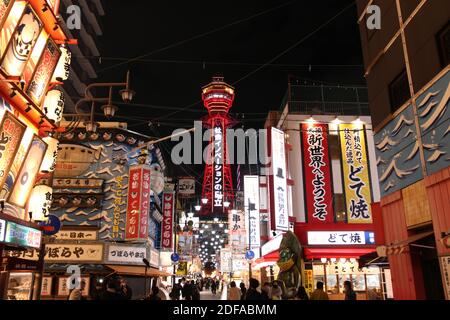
399 91
443 39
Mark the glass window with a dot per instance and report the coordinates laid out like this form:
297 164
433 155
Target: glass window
332 286
359 282
373 281
399 91
342 279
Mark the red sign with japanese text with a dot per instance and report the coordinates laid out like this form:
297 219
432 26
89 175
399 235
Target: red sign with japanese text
134 203
167 223
317 175
145 204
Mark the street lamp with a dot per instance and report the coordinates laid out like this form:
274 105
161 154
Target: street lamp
226 204
109 110
197 207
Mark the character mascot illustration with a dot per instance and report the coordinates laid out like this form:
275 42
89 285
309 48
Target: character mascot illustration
290 265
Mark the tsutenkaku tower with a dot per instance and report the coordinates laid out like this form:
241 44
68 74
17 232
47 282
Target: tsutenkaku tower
218 98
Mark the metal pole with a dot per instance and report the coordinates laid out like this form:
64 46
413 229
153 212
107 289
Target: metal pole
249 245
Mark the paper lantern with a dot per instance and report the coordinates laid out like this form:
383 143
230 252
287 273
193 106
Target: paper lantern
40 202
63 67
49 163
54 105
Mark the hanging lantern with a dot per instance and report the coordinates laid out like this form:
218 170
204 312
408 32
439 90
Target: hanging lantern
62 70
40 202
54 105
49 163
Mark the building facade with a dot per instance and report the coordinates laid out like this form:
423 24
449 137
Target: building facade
407 72
33 64
332 193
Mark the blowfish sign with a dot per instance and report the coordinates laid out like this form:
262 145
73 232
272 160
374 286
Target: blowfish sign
218 169
167 223
138 203
316 166
356 173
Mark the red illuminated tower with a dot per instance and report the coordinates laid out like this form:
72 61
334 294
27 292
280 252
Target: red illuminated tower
217 97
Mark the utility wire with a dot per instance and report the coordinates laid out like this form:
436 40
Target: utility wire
326 23
199 35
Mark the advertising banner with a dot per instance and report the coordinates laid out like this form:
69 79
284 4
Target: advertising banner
44 71
28 172
186 187
167 223
76 234
126 254
80 252
280 215
218 170
356 173
341 238
16 234
251 205
138 203
11 133
317 175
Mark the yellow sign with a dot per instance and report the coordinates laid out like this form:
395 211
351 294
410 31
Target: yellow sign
356 173
308 283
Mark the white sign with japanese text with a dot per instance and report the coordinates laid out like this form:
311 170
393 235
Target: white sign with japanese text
126 254
78 235
341 238
225 260
280 216
63 289
154 257
251 200
46 288
2 229
62 252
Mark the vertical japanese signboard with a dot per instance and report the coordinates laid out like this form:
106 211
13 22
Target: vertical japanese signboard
218 170
356 173
280 217
145 203
237 232
167 223
28 172
316 168
251 200
138 203
11 133
44 71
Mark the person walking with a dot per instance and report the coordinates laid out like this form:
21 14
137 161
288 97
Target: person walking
266 291
348 290
125 289
319 293
277 292
301 294
195 291
187 291
155 294
234 293
252 292
176 291
77 293
243 290
213 287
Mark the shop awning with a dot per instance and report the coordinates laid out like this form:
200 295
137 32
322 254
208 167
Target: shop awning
401 246
348 253
266 261
138 271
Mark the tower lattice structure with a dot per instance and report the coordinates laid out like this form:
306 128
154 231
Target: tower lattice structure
217 98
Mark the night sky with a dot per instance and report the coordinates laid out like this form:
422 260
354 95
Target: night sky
183 49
